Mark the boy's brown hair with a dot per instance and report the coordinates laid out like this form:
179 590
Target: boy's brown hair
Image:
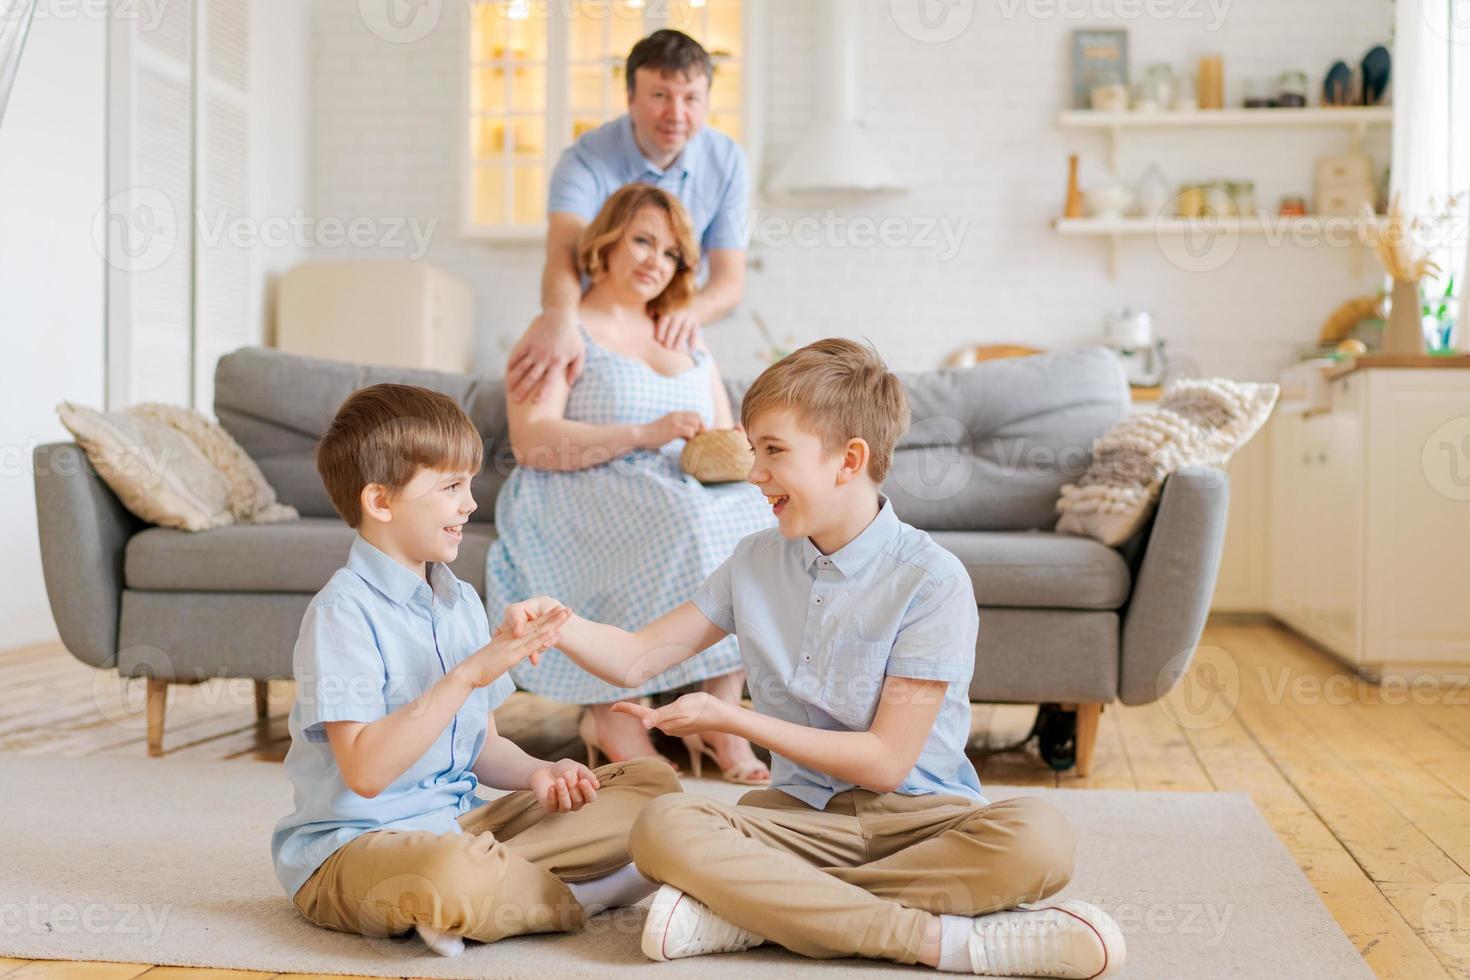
611 224
841 390
385 434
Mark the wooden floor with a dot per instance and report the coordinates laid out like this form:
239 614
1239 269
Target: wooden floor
1368 787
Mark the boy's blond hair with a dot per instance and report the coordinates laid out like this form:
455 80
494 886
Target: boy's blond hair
385 434
841 390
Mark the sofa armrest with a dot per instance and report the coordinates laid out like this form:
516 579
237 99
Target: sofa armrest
84 529
1175 582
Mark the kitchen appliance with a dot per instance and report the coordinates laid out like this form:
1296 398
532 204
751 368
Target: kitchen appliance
1131 336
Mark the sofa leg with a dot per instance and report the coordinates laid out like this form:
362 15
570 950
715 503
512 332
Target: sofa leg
1088 715
262 700
157 705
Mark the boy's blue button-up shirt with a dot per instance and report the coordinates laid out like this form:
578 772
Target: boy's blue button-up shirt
709 177
374 639
819 633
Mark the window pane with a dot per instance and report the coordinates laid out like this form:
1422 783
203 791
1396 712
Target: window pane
587 94
585 124
529 136
685 16
725 89
585 29
530 196
527 88
488 92
489 191
724 29
510 29
627 27
487 138
727 123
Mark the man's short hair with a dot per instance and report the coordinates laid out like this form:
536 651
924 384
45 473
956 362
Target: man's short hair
840 390
670 52
385 434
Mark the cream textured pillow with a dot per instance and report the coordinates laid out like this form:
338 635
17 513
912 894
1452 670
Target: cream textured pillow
1197 422
252 499
155 470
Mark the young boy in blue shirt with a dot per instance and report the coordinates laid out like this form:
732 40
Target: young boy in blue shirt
858 636
393 729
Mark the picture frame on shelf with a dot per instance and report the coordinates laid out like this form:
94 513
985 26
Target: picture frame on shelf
1099 57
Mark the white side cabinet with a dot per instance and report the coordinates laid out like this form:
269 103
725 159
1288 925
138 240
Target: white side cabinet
1368 520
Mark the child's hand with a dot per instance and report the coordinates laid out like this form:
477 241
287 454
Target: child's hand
690 715
564 786
504 651
518 615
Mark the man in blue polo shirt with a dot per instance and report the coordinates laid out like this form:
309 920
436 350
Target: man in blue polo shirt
661 141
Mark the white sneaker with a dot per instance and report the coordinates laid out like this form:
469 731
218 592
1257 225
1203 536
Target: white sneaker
1068 939
443 943
678 925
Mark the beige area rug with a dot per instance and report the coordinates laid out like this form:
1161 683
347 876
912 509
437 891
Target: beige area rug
163 862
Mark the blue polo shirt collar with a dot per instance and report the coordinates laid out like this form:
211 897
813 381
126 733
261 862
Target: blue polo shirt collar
396 582
636 159
870 542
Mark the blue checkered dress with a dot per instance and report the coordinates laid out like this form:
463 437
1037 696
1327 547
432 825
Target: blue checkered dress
624 542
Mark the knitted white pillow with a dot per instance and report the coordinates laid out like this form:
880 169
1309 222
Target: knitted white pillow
1197 422
173 467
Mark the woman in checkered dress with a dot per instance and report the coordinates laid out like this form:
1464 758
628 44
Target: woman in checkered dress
598 513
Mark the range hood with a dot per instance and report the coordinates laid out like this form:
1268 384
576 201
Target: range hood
837 156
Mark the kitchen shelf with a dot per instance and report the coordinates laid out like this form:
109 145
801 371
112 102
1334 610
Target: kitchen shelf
1286 229
1356 119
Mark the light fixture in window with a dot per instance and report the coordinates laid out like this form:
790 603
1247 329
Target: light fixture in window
696 4
633 4
518 10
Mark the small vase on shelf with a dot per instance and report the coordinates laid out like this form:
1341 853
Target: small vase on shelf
1404 333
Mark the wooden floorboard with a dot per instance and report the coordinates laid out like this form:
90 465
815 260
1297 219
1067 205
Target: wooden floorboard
1367 787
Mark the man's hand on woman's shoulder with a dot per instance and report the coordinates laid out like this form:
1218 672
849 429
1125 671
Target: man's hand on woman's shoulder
550 343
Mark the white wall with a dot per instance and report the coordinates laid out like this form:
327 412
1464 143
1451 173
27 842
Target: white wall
52 279
52 175
970 122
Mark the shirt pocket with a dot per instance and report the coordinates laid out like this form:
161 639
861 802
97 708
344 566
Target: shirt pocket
853 682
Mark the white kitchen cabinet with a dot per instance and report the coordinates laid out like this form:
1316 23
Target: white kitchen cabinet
1368 520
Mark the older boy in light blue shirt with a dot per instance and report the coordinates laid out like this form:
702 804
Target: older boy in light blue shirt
858 635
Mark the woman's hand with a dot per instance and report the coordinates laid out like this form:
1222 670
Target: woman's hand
675 425
689 715
520 615
564 786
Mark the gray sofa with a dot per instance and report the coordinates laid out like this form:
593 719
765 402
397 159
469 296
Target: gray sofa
1063 619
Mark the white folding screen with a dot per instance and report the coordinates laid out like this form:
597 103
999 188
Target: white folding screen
145 229
226 304
180 264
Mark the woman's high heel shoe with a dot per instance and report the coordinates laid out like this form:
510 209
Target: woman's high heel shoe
587 731
742 773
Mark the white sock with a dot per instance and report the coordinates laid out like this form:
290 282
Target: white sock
624 886
954 944
443 943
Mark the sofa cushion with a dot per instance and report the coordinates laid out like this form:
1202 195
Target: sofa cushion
295 556
1039 569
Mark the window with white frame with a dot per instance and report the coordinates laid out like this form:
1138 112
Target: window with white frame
540 73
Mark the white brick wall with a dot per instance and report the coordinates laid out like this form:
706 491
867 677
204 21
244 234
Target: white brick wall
970 124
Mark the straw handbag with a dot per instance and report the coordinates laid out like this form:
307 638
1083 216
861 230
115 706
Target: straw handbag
717 456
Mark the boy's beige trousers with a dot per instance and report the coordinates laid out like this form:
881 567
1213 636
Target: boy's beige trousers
863 876
504 875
